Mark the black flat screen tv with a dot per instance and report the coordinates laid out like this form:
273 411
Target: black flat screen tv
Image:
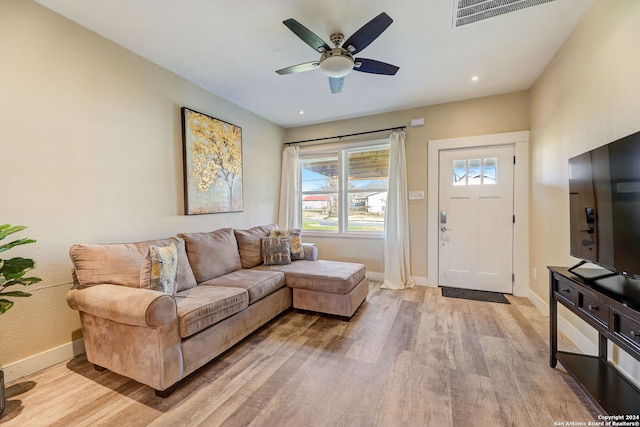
604 188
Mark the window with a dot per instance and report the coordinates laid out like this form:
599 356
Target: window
475 171
344 188
320 196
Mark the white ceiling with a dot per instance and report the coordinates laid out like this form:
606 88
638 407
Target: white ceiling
233 47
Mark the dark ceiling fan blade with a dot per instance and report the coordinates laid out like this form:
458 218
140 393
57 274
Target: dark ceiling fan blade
368 33
300 68
336 84
375 67
306 35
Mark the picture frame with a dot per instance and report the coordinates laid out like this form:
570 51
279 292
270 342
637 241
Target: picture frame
212 164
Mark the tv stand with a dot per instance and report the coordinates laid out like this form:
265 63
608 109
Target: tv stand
611 305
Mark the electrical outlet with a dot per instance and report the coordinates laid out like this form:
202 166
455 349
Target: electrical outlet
535 273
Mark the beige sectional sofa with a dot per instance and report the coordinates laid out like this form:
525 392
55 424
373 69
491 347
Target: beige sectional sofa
223 293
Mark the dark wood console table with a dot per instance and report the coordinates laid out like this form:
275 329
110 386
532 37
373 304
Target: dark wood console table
612 306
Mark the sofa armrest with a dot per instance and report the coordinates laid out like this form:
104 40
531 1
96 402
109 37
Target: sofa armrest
310 251
129 306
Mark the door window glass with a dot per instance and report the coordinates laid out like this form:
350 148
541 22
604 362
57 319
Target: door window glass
459 172
475 171
489 170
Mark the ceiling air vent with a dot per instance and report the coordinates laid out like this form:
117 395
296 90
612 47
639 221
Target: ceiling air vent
469 11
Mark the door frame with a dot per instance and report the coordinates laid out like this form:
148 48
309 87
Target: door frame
485 264
520 141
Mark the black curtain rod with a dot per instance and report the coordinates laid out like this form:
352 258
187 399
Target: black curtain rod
345 136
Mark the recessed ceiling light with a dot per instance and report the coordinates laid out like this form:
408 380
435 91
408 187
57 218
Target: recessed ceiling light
301 112
474 78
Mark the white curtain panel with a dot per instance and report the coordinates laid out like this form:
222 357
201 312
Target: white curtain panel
289 214
397 256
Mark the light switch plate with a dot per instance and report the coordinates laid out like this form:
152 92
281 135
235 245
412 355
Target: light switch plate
416 195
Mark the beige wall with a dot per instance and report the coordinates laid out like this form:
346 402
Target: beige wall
91 151
588 95
494 114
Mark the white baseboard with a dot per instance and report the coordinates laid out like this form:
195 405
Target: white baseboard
631 375
378 276
43 360
538 302
578 338
421 281
375 275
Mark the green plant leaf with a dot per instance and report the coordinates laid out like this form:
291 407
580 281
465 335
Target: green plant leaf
5 305
6 229
25 281
8 246
16 267
12 270
15 294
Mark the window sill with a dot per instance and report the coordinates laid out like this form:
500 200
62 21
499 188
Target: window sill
336 235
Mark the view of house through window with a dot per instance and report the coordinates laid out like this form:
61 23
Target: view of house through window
345 190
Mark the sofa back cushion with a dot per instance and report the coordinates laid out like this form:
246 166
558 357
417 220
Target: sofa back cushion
249 244
212 254
124 264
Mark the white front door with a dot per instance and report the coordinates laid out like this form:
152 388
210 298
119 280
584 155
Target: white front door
476 218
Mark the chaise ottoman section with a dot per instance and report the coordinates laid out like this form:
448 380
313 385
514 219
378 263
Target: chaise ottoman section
329 287
343 305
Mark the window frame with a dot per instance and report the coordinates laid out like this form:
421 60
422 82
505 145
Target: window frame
341 151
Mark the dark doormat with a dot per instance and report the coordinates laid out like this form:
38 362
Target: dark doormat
474 295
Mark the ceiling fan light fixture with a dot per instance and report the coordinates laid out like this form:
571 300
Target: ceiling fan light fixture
336 66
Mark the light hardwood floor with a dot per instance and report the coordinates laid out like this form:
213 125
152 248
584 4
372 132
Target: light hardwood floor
408 358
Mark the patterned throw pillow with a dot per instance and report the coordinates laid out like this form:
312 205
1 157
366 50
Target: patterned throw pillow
295 242
275 251
164 268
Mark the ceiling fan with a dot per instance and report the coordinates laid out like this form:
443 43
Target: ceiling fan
338 61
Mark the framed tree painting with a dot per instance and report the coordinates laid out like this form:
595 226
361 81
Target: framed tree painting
212 153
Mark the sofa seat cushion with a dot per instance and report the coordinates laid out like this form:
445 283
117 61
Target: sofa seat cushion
323 276
203 306
257 283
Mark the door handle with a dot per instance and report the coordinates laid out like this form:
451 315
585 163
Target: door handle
444 229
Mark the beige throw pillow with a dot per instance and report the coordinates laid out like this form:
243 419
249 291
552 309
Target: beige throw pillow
164 268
